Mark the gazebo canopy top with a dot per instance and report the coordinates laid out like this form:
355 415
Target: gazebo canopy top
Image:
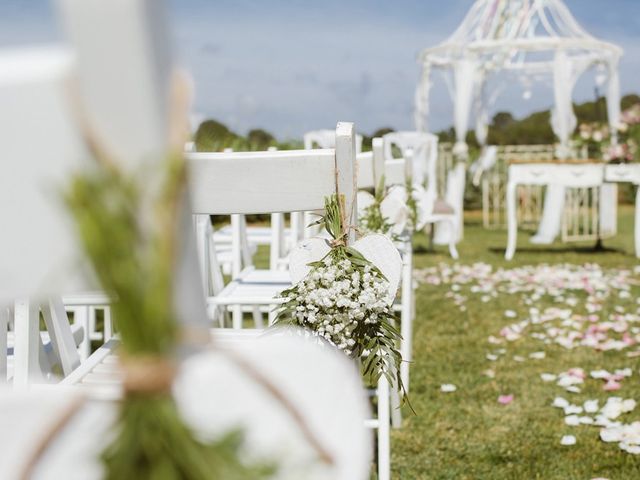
519 35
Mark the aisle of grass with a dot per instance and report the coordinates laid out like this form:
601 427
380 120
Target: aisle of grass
468 434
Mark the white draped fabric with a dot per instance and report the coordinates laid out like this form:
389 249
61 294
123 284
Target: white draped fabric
551 222
608 208
563 120
464 75
613 99
422 100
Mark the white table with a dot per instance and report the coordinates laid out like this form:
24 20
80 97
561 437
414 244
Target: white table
571 175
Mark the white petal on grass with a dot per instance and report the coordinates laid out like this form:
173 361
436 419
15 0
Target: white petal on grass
448 387
572 410
537 355
591 406
548 377
633 449
584 420
491 357
568 440
560 402
510 314
625 372
572 420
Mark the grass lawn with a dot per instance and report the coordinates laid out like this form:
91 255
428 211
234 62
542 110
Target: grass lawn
467 434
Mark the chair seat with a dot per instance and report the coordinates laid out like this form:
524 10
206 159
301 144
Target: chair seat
94 298
255 287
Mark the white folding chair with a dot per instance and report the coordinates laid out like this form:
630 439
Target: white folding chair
285 181
251 287
421 150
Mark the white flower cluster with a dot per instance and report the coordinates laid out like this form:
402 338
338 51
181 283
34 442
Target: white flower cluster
335 298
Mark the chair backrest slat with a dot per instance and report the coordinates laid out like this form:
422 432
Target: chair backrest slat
326 139
371 166
273 181
259 182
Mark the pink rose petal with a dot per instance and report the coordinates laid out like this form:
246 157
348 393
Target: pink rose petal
505 399
611 386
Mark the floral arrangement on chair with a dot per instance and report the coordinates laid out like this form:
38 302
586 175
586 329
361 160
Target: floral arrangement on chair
344 298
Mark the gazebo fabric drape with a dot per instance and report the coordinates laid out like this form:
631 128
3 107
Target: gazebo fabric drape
464 81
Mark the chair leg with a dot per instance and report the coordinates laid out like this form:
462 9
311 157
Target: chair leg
108 325
81 316
394 409
257 317
27 344
236 317
452 240
406 317
384 447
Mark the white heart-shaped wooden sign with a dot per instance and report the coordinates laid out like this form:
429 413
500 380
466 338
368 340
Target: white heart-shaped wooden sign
376 248
394 209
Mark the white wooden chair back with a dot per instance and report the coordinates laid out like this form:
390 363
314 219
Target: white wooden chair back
326 139
270 182
33 95
425 154
371 166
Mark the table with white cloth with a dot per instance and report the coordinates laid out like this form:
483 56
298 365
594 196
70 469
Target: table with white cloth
570 174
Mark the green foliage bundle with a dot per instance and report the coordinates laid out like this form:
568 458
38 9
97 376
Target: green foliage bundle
372 220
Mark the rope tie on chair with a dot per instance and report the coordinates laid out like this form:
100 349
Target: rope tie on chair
147 375
341 240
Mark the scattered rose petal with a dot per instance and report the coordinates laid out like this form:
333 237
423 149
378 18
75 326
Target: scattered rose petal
448 388
612 386
568 440
547 377
505 399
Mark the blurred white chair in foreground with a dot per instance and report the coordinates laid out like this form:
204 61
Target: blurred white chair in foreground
128 124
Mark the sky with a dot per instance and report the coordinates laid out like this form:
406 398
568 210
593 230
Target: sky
290 66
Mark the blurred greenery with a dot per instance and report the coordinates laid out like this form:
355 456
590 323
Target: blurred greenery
535 128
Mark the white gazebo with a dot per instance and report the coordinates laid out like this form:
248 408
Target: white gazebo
519 40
